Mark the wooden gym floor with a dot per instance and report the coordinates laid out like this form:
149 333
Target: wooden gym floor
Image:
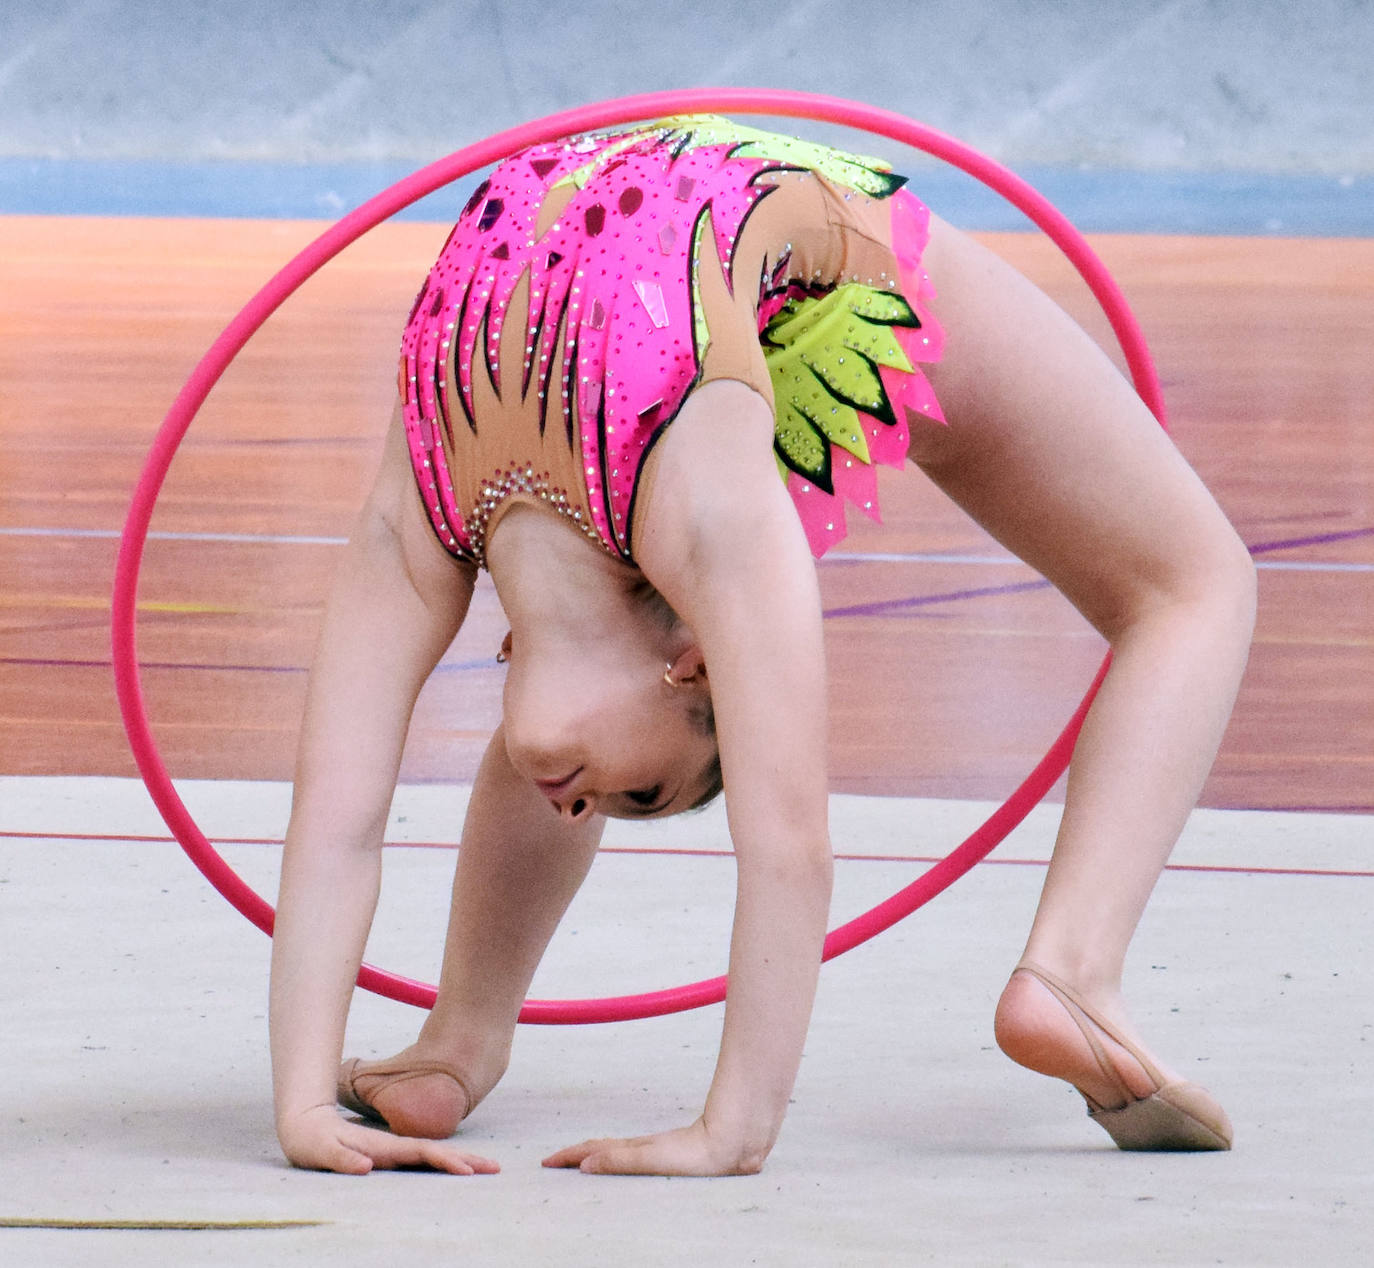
1263 347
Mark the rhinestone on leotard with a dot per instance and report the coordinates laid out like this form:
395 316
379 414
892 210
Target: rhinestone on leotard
508 482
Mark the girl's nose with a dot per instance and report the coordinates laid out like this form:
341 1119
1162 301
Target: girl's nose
575 809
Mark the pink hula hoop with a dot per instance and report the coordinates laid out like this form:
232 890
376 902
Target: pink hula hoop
484 153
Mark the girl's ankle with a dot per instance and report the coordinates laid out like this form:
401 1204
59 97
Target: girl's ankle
482 1062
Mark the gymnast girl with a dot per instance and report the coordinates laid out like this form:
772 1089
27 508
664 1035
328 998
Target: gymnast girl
638 387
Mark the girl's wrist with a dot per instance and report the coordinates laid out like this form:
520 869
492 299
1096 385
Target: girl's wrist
741 1126
285 1115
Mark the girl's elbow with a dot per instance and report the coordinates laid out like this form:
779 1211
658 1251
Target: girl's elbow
1220 594
1232 584
813 868
804 866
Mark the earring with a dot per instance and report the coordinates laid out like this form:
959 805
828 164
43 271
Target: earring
502 656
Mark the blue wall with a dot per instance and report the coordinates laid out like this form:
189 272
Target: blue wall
1167 114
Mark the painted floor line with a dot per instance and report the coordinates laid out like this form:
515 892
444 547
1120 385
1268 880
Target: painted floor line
841 856
834 557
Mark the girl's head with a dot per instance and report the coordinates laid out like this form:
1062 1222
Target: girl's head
621 726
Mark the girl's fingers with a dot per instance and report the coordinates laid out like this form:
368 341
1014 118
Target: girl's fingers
575 1155
388 1152
684 1152
349 1162
627 1158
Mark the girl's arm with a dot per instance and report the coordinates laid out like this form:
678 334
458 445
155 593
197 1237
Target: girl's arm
519 866
396 603
729 554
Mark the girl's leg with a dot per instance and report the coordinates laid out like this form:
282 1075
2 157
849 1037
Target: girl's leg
519 866
1170 688
1050 450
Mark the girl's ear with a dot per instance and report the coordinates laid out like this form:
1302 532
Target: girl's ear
688 669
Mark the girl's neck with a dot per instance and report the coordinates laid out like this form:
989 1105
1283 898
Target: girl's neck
552 580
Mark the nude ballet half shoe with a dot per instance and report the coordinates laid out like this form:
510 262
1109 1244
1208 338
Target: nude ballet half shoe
1176 1116
390 1073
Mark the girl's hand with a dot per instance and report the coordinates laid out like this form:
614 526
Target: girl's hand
688 1151
322 1141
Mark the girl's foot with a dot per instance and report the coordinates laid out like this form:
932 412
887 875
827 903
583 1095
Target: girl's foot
413 1095
1044 1024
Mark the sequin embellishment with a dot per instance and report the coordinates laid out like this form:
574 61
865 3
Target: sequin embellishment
518 480
613 299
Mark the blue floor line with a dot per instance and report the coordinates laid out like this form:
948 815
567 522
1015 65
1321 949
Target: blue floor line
1097 200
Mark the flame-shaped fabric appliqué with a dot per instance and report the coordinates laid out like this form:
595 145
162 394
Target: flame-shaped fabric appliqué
843 364
615 278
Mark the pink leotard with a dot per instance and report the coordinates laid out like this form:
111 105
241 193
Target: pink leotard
592 283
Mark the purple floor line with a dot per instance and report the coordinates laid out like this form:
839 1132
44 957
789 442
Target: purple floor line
924 600
951 596
1317 539
876 608
43 662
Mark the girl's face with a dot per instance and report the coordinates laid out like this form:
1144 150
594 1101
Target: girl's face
609 736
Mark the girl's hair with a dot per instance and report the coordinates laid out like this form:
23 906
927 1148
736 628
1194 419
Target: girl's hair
702 714
659 609
714 788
